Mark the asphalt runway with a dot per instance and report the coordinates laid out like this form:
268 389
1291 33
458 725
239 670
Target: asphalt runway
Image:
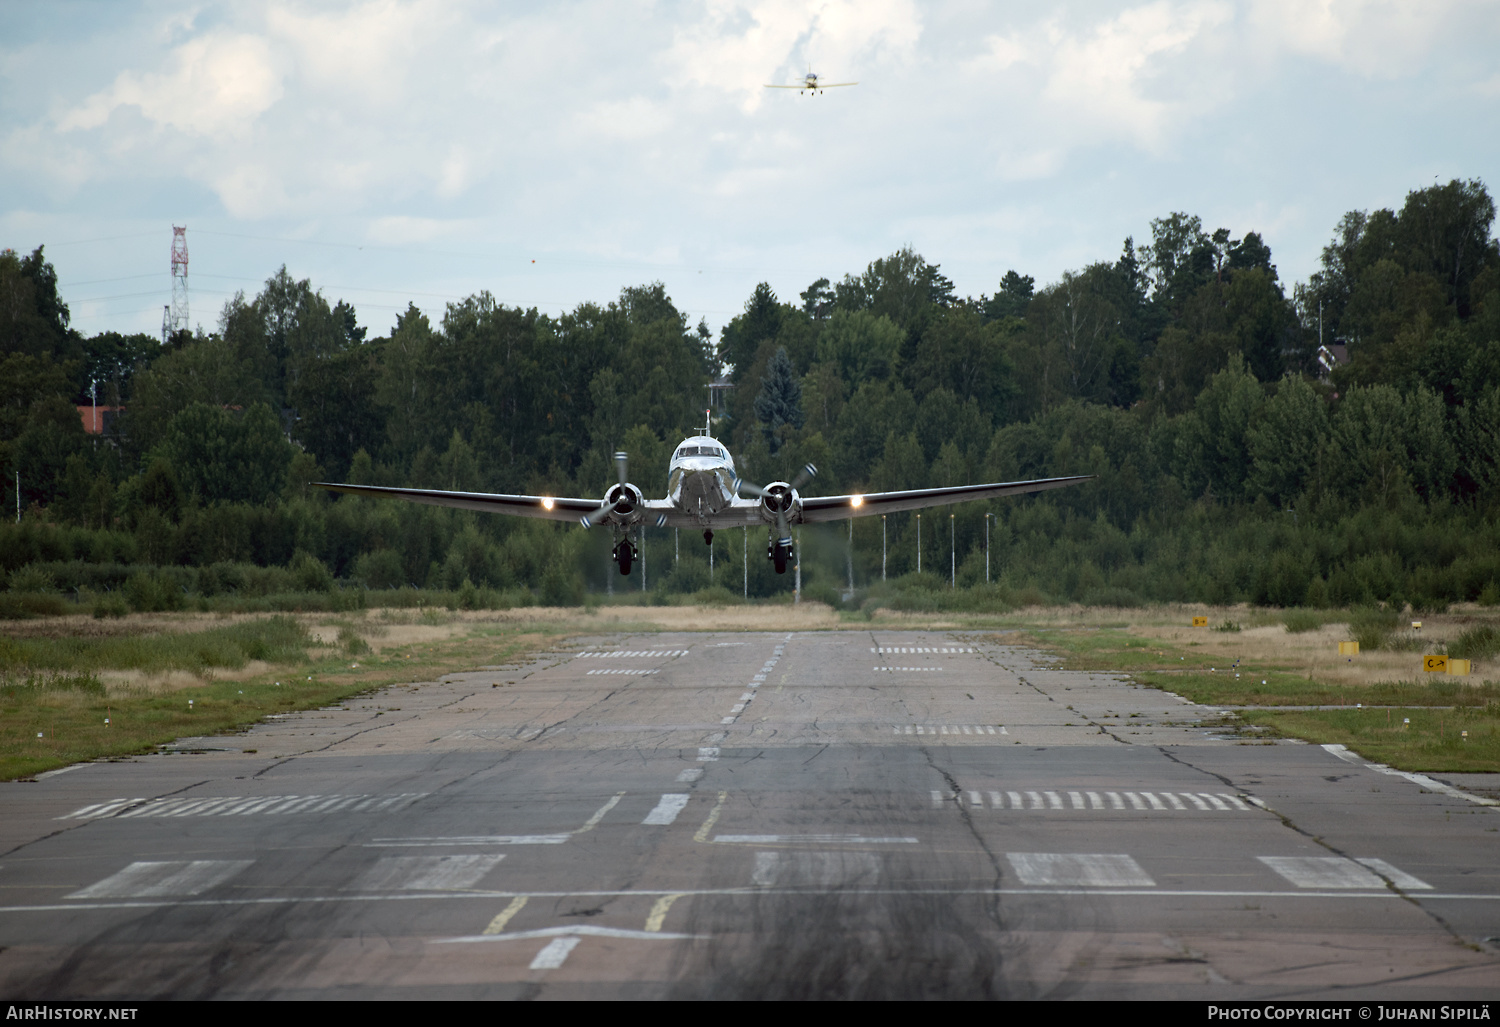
870 814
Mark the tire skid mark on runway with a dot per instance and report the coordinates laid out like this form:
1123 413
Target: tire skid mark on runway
474 894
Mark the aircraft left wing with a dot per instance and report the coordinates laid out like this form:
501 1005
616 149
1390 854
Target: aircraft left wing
547 508
837 508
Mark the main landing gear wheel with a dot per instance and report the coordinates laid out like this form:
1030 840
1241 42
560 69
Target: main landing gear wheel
778 557
708 538
623 555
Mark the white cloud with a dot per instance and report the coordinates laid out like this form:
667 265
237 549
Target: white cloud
219 85
400 230
1377 38
633 118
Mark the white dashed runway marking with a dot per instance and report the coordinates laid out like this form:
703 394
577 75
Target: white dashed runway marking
950 729
667 809
624 670
897 650
238 805
634 654
1091 801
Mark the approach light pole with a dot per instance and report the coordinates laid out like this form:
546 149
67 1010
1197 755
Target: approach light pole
919 543
851 558
797 559
643 556
987 547
952 555
745 561
882 547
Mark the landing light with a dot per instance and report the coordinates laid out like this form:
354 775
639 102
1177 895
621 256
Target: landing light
857 502
546 502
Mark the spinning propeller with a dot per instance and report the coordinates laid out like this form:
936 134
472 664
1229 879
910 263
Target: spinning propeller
778 498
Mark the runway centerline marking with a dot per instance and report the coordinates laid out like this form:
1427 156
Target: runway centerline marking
667 809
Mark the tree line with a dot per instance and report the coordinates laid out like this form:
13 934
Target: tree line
1232 463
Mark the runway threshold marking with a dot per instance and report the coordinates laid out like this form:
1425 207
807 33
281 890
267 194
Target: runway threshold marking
428 873
150 880
1338 872
1079 869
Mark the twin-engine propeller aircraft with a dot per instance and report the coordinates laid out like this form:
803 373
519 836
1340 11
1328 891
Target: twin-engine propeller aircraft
703 491
812 86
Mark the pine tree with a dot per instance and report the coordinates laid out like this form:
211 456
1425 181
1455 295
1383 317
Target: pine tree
780 399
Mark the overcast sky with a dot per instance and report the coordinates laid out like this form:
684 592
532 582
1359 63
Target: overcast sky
555 152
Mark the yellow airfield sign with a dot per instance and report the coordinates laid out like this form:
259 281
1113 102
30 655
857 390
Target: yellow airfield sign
1435 663
1200 622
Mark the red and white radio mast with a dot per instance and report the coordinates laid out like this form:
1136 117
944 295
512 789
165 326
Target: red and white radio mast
175 318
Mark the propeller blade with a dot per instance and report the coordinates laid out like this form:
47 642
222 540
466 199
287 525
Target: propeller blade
783 530
807 474
622 462
741 485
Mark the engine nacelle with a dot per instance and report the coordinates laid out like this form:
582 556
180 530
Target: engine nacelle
779 498
622 500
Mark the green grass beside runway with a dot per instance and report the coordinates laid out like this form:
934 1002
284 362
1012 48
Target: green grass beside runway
1433 740
54 698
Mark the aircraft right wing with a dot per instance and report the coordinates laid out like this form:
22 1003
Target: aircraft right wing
837 508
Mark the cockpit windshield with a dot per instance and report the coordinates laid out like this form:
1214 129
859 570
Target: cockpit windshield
700 451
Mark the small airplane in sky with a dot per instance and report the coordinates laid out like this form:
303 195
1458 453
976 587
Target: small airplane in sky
810 84
703 492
